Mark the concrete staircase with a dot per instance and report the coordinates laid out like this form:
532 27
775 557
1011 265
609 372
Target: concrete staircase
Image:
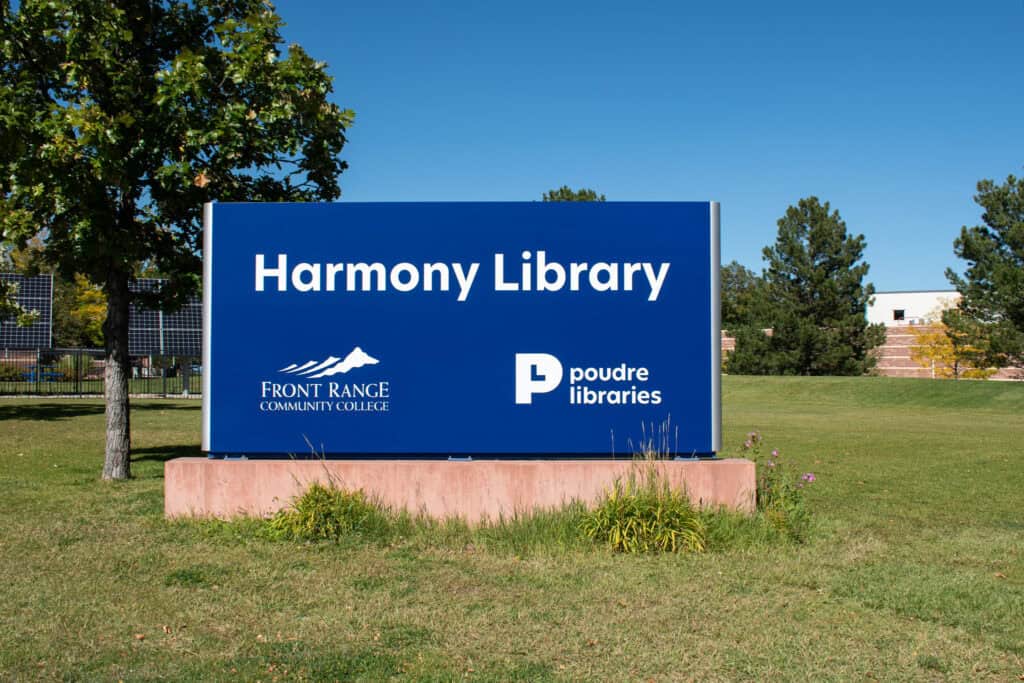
894 355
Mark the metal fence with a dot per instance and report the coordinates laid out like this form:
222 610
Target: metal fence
79 372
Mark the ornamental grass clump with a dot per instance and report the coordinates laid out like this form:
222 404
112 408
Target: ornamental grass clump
329 513
643 514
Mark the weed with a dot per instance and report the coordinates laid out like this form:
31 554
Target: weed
780 495
656 443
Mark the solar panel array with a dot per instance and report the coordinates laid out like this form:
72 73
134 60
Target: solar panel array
34 294
155 332
149 331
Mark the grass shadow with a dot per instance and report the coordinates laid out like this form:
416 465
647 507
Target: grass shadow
75 408
49 411
165 453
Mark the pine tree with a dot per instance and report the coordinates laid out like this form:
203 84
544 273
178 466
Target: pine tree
567 194
743 297
993 284
817 300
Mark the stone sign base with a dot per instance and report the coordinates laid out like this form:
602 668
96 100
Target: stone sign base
474 490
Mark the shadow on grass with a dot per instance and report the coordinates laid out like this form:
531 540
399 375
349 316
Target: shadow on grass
165 453
402 651
75 408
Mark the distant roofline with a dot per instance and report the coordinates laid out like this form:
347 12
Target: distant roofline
918 291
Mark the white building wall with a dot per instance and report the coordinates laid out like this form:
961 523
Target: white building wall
917 307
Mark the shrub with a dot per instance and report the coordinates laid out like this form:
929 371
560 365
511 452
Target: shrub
328 513
11 373
644 514
73 366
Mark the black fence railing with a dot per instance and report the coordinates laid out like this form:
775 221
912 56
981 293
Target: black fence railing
79 372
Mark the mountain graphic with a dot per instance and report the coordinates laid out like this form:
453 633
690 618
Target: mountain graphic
356 358
309 367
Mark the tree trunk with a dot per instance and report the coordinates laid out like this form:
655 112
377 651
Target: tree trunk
117 463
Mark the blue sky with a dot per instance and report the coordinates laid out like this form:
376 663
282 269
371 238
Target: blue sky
890 111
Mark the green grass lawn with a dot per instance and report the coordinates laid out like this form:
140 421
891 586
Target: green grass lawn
915 572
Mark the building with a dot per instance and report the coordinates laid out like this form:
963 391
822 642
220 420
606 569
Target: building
900 309
899 312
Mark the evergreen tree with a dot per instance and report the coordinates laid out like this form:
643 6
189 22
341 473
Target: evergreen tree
993 284
567 194
743 297
814 286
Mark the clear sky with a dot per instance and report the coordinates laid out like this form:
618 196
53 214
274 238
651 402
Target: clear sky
890 111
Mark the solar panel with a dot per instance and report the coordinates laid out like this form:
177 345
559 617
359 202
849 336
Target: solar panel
34 294
155 332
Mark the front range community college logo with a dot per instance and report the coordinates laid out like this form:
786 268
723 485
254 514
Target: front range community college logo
300 392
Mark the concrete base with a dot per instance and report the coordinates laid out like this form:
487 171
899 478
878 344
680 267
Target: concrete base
476 490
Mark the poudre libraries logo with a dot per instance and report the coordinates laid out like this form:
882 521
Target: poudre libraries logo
621 384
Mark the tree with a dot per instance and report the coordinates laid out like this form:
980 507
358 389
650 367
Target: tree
567 194
79 309
993 284
118 120
10 310
743 297
814 286
948 350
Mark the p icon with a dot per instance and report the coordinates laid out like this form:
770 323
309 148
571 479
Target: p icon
536 373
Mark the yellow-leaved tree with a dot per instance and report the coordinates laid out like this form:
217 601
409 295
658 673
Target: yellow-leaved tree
946 349
89 310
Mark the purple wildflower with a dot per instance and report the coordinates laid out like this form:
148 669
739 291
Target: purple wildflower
775 452
809 477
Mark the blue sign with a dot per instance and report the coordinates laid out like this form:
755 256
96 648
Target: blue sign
479 329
